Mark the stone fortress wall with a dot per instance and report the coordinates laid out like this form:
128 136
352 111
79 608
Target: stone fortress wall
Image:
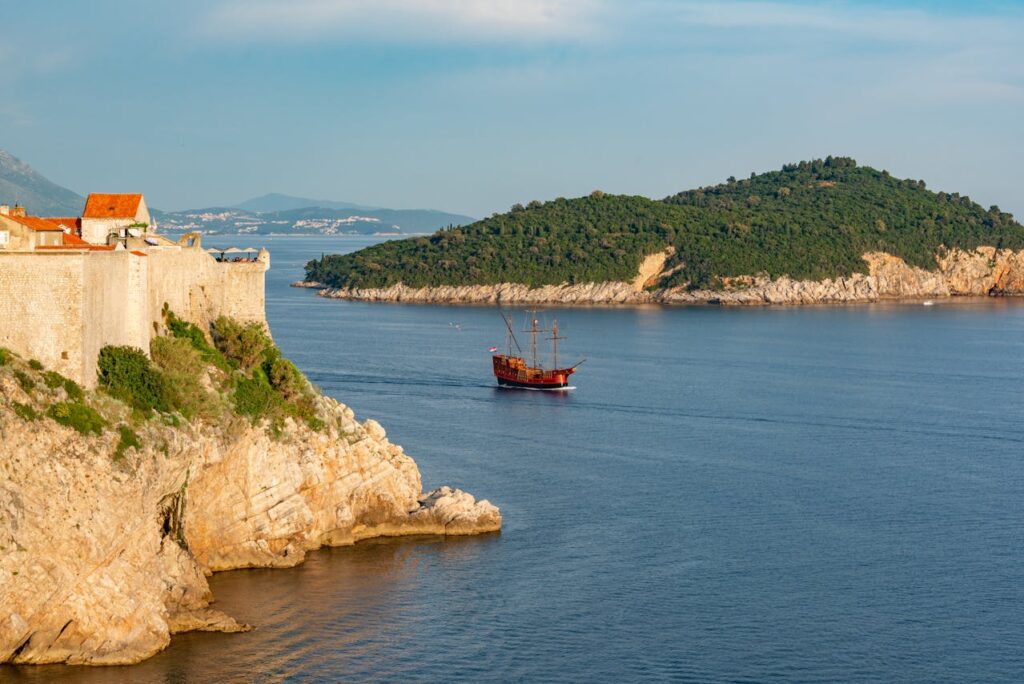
63 307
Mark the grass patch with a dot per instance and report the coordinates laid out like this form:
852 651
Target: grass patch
35 365
189 331
129 440
3 356
77 416
54 380
24 411
182 366
26 383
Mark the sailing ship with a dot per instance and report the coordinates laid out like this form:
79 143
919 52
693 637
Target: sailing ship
514 371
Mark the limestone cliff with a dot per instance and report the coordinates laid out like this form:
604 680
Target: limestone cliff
979 272
104 553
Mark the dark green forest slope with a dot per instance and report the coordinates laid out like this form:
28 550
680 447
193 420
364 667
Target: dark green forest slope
810 220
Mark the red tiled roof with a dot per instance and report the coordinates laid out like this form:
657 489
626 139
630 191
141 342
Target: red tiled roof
138 253
66 221
86 246
35 223
101 205
72 239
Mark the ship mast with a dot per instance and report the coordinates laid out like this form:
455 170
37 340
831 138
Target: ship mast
511 337
533 337
554 343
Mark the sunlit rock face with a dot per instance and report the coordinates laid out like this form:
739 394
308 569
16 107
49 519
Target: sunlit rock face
103 559
979 272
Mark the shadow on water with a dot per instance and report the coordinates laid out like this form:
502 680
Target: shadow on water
342 602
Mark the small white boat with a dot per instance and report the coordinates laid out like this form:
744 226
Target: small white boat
928 302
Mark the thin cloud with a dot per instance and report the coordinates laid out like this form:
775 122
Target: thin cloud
857 20
403 20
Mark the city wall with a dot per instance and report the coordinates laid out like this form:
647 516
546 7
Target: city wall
63 307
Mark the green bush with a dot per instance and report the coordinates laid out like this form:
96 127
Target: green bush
54 380
24 411
255 397
128 440
182 367
244 344
77 416
127 374
74 390
3 356
284 377
35 365
27 383
189 331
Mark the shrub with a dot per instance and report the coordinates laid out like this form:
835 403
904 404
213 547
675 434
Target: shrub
284 377
27 383
24 411
255 397
54 380
3 356
191 332
127 374
35 365
129 440
242 344
182 367
74 390
77 416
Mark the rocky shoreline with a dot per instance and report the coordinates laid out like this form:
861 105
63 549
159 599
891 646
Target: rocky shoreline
105 555
980 272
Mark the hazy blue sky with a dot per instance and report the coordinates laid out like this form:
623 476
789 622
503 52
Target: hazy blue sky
472 105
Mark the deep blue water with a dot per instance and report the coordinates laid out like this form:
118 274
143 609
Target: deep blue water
779 494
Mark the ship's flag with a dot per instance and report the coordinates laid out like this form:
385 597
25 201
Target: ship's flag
492 349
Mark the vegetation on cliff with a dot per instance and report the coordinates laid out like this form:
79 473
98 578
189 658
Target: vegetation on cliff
236 373
811 220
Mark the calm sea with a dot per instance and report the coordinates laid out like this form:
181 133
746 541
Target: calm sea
786 494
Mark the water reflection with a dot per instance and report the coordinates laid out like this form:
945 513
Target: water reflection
333 615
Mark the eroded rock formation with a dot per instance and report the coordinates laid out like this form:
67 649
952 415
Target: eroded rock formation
979 272
103 558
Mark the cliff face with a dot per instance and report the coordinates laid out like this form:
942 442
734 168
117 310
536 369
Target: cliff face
103 557
980 272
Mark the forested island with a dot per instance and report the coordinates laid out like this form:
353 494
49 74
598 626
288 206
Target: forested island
809 221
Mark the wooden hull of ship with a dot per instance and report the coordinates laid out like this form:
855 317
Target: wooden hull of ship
504 382
512 371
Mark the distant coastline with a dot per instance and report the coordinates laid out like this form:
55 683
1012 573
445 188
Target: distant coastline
985 271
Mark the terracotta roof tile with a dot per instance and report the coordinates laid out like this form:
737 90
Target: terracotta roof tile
72 239
86 247
138 253
35 223
71 222
101 205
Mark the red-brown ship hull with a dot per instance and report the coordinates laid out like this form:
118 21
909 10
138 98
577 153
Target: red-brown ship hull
512 371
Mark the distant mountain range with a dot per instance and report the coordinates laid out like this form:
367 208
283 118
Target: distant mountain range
273 213
21 184
275 201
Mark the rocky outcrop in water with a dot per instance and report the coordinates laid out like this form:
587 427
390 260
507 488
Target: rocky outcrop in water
104 556
979 272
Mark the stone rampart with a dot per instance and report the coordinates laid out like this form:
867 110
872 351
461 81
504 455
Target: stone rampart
63 307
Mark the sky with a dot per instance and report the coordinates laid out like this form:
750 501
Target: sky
472 105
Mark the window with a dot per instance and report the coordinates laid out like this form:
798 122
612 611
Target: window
5 237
